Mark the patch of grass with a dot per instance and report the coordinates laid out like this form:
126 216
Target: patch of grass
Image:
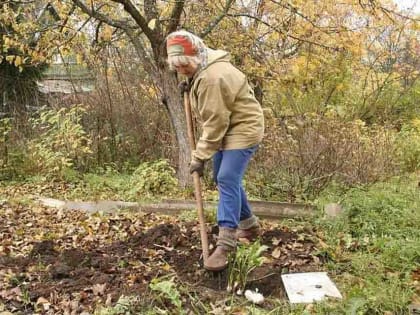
125 305
192 215
375 244
108 186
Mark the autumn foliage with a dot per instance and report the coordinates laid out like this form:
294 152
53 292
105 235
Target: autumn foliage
338 83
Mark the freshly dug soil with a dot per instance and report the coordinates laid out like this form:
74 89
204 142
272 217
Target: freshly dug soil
61 275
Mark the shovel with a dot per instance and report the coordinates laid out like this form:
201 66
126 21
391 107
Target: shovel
197 182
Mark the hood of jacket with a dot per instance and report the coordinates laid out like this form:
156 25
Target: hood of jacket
212 57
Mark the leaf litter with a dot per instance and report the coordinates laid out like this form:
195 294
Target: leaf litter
55 262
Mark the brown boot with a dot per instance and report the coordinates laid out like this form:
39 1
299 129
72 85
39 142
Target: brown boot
226 244
248 229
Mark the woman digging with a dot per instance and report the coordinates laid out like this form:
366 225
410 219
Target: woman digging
232 128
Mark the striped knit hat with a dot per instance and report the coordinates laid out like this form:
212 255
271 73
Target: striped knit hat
180 46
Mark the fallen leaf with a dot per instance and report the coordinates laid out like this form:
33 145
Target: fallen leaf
216 311
322 244
276 242
416 274
244 241
169 249
14 293
99 289
108 301
41 300
276 253
152 24
316 259
44 303
310 308
166 267
296 245
266 260
240 312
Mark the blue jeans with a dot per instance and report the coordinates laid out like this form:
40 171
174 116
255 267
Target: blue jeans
229 167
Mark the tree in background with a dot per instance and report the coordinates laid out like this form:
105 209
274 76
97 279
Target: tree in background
312 56
147 24
301 56
27 33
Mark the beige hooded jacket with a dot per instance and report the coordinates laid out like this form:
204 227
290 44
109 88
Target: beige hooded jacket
231 117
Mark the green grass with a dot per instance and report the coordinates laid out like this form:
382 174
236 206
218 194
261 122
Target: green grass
375 245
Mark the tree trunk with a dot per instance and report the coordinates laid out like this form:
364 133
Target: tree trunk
157 69
173 101
155 64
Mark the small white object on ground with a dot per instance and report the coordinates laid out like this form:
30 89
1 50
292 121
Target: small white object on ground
254 297
309 287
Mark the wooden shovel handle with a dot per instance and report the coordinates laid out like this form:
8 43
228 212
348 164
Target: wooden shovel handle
197 182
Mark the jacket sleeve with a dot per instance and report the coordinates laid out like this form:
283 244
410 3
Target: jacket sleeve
212 107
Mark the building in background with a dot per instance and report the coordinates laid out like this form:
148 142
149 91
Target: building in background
64 78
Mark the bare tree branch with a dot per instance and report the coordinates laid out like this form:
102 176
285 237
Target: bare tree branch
388 12
100 17
282 32
140 20
97 31
72 9
217 20
76 31
325 29
295 10
150 10
175 16
148 62
16 2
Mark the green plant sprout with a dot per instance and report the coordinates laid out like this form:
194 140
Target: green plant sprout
168 290
247 258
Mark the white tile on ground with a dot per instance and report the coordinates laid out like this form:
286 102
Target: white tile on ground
309 287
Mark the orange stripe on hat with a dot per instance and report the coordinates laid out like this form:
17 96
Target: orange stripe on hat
180 46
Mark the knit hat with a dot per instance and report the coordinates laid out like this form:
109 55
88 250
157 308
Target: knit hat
180 46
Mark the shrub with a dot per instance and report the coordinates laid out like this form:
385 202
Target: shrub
408 145
154 178
301 155
59 142
5 128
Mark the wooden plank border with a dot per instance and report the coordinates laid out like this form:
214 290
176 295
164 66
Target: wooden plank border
263 209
